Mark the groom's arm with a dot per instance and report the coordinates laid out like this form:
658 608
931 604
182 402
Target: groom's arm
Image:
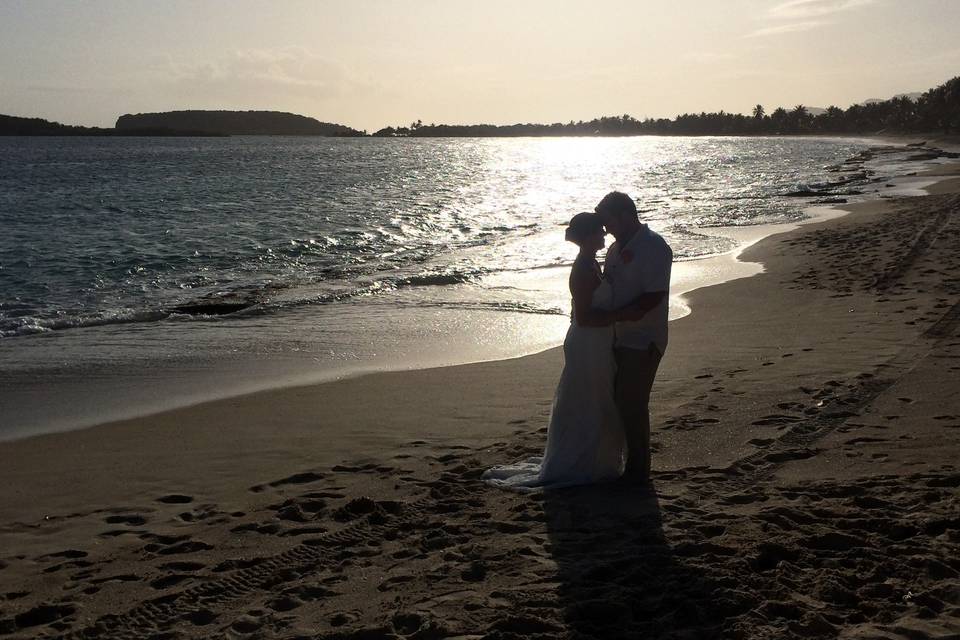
584 313
587 315
643 303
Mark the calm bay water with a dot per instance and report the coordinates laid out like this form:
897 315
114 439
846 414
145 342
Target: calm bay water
339 255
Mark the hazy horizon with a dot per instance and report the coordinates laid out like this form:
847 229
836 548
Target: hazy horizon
383 63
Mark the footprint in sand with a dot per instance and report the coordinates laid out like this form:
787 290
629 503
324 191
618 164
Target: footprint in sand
775 419
200 618
169 581
394 582
791 454
234 564
263 528
284 603
246 624
311 593
133 520
864 440
203 512
790 406
189 546
711 530
296 479
341 618
43 615
182 566
172 545
71 554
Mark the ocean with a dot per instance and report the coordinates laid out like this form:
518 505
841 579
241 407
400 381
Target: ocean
138 274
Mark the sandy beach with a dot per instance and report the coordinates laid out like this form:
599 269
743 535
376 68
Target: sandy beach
806 438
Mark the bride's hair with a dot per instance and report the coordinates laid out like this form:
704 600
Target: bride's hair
581 226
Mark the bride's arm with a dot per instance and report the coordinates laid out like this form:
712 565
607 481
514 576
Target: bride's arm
582 285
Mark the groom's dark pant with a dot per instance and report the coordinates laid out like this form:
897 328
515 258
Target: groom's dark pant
636 369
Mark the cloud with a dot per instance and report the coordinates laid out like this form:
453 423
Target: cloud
259 73
806 9
803 15
790 27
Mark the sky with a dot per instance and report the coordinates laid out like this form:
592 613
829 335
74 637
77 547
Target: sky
373 63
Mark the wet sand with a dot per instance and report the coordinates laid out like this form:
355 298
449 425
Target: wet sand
807 430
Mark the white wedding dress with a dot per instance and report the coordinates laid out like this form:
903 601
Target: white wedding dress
585 439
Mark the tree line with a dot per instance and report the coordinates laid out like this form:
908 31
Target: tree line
935 110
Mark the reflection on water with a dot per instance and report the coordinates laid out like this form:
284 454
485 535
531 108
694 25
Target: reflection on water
344 255
126 230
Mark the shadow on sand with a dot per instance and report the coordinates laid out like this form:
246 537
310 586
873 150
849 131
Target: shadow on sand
619 576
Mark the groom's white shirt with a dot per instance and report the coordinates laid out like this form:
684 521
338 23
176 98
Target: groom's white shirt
642 266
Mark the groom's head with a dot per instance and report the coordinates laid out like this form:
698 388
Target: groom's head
618 213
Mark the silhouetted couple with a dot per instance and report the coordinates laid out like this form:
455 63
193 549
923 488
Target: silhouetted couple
600 423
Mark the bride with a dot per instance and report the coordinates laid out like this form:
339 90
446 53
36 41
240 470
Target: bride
585 439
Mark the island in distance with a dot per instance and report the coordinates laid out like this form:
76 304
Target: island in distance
18 126
236 123
185 123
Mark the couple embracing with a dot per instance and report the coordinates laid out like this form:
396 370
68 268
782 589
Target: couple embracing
600 423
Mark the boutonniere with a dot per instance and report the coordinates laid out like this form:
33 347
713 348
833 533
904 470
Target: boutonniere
626 257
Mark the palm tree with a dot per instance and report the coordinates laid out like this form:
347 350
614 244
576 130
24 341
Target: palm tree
799 117
832 119
758 112
779 119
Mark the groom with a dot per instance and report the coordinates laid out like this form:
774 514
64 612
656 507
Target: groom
637 263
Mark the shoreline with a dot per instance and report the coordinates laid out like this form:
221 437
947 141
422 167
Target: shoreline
720 269
73 380
690 275
806 430
219 381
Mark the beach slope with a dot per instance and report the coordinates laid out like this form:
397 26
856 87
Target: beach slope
806 482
